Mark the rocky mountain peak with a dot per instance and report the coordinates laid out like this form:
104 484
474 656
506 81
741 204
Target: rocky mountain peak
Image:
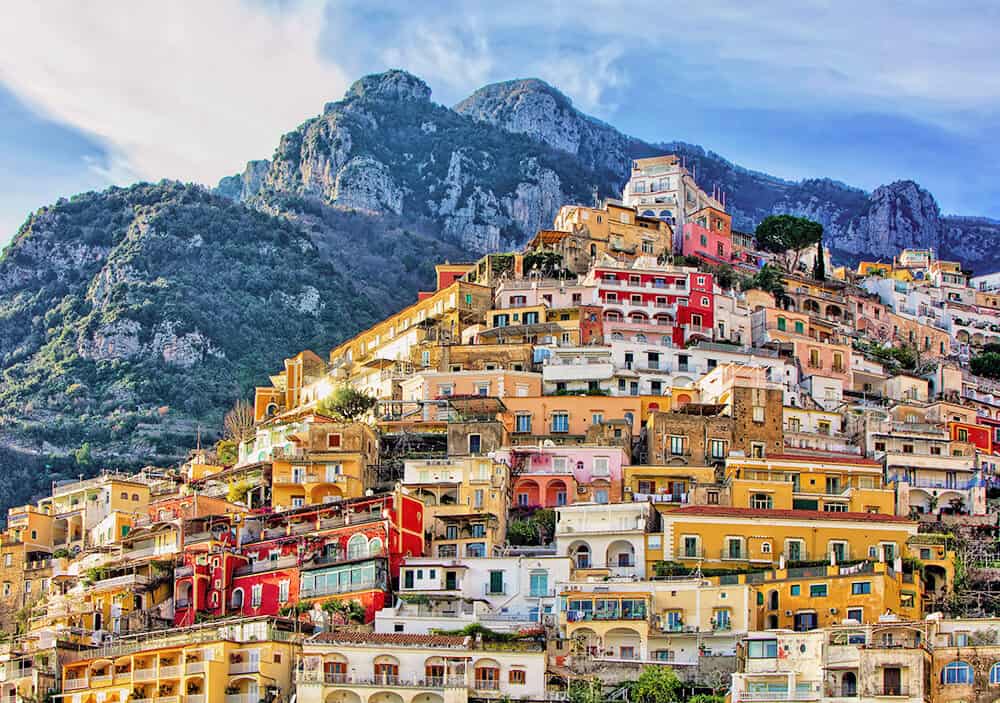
532 107
390 85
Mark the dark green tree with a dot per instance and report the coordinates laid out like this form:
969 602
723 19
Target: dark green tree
819 266
986 364
346 404
787 236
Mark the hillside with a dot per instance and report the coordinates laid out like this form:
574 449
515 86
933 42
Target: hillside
132 317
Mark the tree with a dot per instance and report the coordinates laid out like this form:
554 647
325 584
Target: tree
819 266
226 452
986 364
238 424
770 280
656 684
788 236
83 456
346 404
586 691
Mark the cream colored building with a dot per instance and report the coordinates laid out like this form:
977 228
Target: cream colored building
359 667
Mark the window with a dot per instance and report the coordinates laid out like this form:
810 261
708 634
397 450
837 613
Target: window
601 466
676 445
283 591
795 590
860 588
800 327
818 590
539 584
597 418
761 501
717 448
496 583
691 549
757 450
478 497
522 423
560 422
734 548
517 676
475 443
856 614
839 551
758 413
256 595
995 673
333 441
781 323
958 672
762 649
601 496
713 497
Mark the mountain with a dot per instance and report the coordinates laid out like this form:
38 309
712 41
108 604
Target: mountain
127 316
387 148
858 224
132 318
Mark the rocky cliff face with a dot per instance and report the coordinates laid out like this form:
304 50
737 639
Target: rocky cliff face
386 148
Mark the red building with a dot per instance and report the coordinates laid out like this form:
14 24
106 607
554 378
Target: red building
663 305
202 581
347 551
979 434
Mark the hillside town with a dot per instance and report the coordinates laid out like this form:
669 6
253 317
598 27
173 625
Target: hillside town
645 446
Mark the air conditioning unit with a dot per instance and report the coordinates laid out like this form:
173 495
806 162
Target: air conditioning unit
833 611
788 613
581 489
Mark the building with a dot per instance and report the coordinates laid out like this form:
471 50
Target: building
662 187
502 593
465 503
604 540
359 667
739 537
214 663
708 236
553 476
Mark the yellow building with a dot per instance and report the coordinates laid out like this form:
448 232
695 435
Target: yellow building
466 500
324 461
676 621
805 598
809 481
665 484
235 662
94 512
740 537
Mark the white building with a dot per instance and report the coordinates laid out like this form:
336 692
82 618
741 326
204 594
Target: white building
503 593
604 540
662 187
362 667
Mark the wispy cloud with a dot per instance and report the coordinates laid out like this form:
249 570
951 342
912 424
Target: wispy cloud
184 89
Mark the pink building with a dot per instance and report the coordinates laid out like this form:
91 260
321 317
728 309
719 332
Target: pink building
708 235
560 475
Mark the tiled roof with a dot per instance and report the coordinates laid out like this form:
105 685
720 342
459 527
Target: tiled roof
725 511
393 638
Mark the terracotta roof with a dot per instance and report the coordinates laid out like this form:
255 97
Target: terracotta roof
725 511
393 638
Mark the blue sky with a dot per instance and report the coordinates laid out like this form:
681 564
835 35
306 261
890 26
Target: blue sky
866 93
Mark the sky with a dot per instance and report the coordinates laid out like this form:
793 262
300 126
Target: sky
866 93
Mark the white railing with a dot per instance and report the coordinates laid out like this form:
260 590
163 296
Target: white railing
75 684
242 697
194 698
194 668
762 696
103 680
144 675
244 667
170 672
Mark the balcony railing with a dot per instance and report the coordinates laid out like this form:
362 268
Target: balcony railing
892 691
194 668
336 679
267 565
75 684
243 697
144 675
490 684
340 588
763 696
170 672
102 680
248 667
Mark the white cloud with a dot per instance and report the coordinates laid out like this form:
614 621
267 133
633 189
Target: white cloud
185 89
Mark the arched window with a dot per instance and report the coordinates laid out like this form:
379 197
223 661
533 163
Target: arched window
357 547
995 673
374 546
958 672
237 599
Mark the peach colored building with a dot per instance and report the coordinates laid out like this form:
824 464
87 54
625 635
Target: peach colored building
497 383
568 418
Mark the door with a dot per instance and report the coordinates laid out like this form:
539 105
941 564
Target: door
805 622
891 681
408 579
450 580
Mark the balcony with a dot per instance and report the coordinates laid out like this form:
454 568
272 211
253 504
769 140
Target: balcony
891 692
340 588
183 571
194 668
194 698
144 675
128 581
491 684
103 680
242 698
659 497
334 679
75 684
170 672
762 696
263 565
248 667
